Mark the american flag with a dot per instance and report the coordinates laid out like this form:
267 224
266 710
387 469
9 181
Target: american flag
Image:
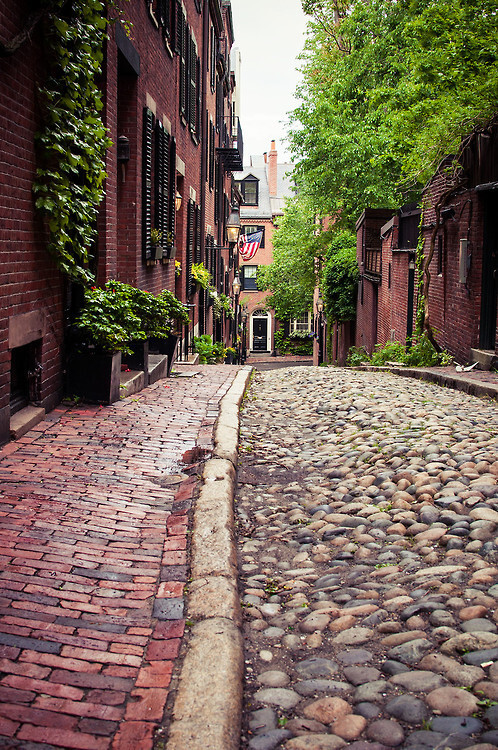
249 244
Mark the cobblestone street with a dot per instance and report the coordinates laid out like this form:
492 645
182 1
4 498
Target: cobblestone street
94 510
367 510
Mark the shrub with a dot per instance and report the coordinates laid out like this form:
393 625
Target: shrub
114 316
209 353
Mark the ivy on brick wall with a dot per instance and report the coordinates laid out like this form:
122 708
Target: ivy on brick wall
73 140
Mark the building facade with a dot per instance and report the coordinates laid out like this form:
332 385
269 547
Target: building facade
460 236
167 89
264 185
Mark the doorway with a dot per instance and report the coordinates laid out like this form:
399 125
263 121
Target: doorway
260 331
489 288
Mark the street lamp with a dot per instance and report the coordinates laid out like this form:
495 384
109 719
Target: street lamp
233 226
236 285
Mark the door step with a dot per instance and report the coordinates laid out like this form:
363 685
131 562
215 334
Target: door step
486 358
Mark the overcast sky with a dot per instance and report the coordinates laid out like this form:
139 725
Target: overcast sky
270 35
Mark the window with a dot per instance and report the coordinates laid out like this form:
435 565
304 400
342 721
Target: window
249 189
252 229
158 183
302 323
248 279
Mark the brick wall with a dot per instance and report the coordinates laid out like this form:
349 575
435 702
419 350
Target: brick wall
33 294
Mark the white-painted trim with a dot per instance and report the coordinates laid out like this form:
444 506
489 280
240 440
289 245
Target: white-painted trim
269 332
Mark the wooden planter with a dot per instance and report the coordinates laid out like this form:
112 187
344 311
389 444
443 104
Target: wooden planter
94 377
138 359
165 346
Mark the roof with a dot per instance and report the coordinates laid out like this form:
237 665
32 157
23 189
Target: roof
267 207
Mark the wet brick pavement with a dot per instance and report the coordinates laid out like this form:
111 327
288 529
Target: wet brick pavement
94 507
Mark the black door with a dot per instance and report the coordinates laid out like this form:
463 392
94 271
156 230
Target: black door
487 333
260 334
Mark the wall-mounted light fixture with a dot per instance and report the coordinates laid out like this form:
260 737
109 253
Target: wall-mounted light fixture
233 225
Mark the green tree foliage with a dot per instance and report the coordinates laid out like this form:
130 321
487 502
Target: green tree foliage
340 278
389 88
291 277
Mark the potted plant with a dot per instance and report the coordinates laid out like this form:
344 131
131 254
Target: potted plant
117 322
200 275
155 239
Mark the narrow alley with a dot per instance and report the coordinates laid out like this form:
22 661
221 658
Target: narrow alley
367 511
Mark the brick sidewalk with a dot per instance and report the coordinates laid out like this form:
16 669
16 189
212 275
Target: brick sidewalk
93 557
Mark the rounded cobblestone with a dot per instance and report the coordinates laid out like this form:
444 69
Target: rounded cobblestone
368 509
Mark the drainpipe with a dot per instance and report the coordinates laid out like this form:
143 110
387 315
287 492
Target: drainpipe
204 125
411 295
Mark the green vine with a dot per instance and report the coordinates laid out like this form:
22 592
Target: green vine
73 141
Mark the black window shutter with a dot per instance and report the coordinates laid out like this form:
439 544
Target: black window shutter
198 258
192 86
148 122
178 20
184 57
198 124
172 190
159 179
160 12
216 192
212 134
190 246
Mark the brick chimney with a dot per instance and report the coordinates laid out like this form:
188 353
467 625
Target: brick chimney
272 170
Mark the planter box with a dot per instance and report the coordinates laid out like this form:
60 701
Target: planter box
94 377
138 359
165 346
157 252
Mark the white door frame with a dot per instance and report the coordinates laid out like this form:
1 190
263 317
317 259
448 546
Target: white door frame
269 335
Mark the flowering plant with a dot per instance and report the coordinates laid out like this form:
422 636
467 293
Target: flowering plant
201 275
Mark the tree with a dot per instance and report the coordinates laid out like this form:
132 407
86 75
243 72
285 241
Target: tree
340 278
390 87
291 277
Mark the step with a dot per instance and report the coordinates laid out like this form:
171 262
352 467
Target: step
486 358
24 420
131 382
158 367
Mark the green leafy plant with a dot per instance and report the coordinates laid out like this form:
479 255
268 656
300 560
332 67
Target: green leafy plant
221 304
296 342
419 353
209 353
156 236
114 316
200 275
72 142
356 356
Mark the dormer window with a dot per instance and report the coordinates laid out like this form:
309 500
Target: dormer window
249 187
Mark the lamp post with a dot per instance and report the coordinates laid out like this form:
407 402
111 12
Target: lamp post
319 309
236 287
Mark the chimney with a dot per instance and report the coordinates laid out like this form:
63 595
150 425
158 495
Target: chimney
272 170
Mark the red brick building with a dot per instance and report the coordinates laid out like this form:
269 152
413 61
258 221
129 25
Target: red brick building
264 185
167 91
464 268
